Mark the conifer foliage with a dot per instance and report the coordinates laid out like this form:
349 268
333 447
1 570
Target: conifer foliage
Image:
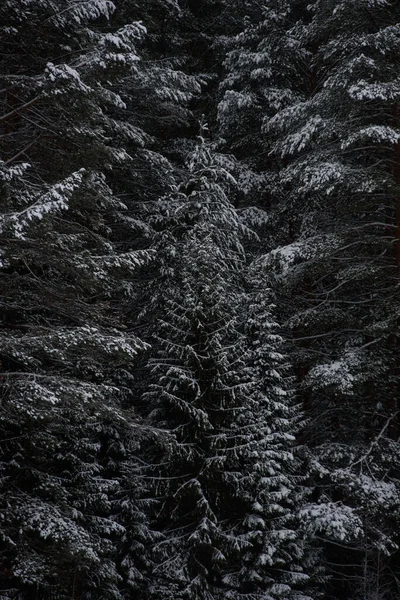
331 181
199 355
342 167
224 426
68 436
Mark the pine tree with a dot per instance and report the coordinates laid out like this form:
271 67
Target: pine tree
265 72
338 149
70 495
281 560
222 457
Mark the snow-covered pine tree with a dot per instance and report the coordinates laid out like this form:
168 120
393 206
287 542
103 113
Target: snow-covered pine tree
339 275
69 493
206 24
265 72
222 464
159 96
254 66
281 561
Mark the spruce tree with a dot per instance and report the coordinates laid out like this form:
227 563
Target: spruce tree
338 149
70 503
223 467
265 71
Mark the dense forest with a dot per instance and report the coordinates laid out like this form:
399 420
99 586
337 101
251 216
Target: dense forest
200 300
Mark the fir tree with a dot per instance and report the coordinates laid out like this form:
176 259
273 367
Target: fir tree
265 72
222 456
70 498
320 103
338 150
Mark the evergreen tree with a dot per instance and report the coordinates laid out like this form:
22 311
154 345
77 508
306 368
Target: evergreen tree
338 149
222 456
159 96
276 481
265 72
100 104
70 495
320 102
